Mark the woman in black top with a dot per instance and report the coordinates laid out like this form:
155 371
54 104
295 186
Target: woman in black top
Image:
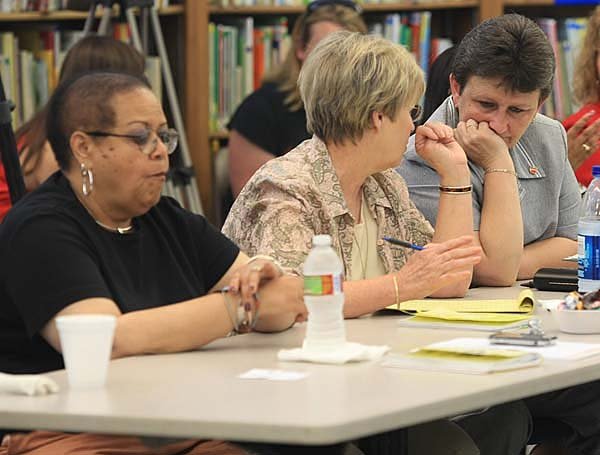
97 237
271 121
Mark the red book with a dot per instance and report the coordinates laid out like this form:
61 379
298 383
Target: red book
259 57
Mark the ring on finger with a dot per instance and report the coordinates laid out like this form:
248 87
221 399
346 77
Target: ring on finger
256 268
586 147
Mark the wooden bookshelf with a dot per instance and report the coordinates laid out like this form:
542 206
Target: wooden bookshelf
63 15
521 3
370 7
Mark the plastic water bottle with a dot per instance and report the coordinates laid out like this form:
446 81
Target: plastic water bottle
588 238
323 296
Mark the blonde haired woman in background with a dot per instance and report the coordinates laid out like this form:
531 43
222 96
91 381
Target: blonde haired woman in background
271 121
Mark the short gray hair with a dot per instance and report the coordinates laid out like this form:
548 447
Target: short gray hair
348 76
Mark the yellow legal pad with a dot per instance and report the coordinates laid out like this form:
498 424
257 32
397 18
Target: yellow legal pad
497 310
454 357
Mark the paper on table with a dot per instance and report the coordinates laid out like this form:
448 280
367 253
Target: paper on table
273 375
561 350
485 326
462 359
497 310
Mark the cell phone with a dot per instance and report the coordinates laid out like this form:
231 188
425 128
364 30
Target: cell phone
522 339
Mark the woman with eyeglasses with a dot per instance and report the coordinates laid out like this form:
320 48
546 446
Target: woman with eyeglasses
92 53
583 127
97 237
359 92
271 121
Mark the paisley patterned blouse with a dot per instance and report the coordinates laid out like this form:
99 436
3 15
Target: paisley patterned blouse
296 196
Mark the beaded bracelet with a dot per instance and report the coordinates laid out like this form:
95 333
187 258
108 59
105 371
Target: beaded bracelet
456 189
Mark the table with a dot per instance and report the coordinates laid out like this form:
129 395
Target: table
198 394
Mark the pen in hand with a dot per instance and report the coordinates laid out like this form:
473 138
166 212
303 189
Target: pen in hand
403 243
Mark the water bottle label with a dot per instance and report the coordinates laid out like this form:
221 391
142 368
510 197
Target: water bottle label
322 284
588 250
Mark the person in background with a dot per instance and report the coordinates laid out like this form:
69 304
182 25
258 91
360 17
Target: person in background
438 82
112 245
583 127
525 196
359 92
88 54
271 121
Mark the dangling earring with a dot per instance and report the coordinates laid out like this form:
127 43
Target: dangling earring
87 180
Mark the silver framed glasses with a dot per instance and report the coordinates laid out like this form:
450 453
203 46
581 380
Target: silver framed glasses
145 140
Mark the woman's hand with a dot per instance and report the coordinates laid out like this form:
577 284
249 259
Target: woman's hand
483 145
281 303
583 140
435 143
437 266
248 278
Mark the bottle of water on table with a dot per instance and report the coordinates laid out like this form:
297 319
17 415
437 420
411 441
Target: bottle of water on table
323 295
588 238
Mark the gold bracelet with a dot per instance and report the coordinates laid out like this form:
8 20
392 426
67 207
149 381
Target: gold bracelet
456 189
396 292
502 171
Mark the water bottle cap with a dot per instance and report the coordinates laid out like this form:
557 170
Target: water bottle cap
596 170
322 240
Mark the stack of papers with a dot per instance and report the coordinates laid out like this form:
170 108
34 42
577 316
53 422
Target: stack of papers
462 358
479 356
488 315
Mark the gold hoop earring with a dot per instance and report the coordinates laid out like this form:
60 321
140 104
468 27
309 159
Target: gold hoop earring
87 180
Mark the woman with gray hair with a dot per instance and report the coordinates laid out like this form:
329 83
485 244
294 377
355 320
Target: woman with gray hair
359 93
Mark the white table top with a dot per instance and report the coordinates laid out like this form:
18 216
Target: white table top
198 394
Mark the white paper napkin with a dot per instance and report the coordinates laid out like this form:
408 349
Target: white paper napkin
27 384
348 352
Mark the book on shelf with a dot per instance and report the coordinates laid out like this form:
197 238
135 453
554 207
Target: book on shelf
566 37
457 356
487 315
242 52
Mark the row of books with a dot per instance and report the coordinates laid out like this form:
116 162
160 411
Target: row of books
239 57
566 37
241 53
16 6
30 62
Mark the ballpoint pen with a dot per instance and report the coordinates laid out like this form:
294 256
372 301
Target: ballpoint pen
403 243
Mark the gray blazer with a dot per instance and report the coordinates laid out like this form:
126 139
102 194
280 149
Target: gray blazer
549 193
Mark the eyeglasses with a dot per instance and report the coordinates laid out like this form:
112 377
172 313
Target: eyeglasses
316 4
169 137
416 112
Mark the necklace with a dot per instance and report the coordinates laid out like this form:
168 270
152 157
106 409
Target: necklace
363 259
119 230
